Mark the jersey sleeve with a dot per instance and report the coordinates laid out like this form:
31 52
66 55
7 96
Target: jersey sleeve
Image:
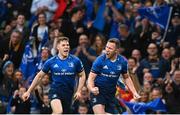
79 66
46 66
96 67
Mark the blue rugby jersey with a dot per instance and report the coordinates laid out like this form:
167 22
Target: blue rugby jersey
63 72
108 73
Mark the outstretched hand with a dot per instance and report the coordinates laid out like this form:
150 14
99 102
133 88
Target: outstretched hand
25 96
77 95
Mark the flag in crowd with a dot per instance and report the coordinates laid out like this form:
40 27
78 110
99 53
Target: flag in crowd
160 15
27 64
141 107
99 21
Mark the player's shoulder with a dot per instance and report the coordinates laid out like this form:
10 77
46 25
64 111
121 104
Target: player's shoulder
52 59
101 57
122 58
73 57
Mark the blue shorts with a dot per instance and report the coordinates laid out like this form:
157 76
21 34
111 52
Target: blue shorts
107 101
66 99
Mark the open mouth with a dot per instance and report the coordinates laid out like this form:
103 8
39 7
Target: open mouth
66 51
107 53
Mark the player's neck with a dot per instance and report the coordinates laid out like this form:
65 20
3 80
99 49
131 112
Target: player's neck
113 59
62 57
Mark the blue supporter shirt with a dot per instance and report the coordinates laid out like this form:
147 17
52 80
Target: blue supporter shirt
108 73
63 72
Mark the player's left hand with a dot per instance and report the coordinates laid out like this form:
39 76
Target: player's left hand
77 95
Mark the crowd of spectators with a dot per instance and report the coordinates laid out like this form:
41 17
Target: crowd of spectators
28 36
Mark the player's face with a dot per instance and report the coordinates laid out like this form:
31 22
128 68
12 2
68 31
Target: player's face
63 48
111 50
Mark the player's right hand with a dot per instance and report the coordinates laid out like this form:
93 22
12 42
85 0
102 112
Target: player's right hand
95 90
25 96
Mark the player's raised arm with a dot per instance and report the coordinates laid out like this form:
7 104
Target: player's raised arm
35 82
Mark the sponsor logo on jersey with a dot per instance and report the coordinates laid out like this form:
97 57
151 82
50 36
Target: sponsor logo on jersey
56 66
105 67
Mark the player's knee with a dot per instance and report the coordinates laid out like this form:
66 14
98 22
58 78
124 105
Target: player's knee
99 109
56 106
60 111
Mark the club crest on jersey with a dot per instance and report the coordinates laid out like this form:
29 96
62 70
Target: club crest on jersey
70 64
119 67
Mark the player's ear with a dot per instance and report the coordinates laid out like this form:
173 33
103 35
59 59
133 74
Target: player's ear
117 50
57 46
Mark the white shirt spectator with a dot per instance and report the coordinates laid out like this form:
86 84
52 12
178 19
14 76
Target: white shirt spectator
49 6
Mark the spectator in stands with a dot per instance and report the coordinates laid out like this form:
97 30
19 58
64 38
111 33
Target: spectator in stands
83 109
6 32
18 79
148 77
13 48
144 30
172 92
154 64
136 54
132 65
40 31
45 54
44 86
18 106
73 26
173 51
156 38
85 52
127 39
44 102
49 44
18 6
155 94
13 22
20 25
7 85
174 29
132 69
52 43
99 44
144 96
85 100
147 86
46 6
166 54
